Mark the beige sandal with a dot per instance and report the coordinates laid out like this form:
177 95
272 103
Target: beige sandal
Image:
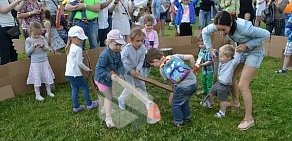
109 122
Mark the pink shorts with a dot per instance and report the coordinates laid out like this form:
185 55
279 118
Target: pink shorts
101 87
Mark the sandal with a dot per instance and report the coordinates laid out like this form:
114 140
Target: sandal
281 71
246 124
109 122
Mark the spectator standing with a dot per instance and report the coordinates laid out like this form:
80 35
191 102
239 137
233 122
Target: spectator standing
7 51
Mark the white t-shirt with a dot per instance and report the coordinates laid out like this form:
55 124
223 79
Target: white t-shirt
6 19
103 17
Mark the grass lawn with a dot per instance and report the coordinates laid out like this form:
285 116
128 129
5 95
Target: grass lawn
24 118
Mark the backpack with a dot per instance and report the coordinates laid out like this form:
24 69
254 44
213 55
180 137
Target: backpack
175 69
267 15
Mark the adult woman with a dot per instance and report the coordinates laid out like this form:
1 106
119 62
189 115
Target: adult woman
7 51
250 43
121 16
32 11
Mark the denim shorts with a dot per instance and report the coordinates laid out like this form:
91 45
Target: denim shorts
253 59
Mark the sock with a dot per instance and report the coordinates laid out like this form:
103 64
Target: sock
48 88
37 91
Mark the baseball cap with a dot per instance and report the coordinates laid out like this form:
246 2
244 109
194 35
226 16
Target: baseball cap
117 36
77 31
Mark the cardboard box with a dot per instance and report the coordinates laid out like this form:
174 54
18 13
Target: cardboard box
19 45
6 92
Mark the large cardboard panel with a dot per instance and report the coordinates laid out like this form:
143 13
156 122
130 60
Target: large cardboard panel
176 41
6 92
19 45
281 40
4 75
18 72
218 40
275 50
57 67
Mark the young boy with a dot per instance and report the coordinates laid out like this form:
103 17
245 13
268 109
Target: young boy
228 60
207 65
174 69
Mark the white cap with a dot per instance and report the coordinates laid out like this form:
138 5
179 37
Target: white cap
77 31
117 36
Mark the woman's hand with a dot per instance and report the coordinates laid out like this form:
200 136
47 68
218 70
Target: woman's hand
35 12
241 48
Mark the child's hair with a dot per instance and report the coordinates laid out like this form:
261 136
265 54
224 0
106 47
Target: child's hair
225 18
49 16
227 50
153 53
35 26
148 18
136 32
69 42
108 41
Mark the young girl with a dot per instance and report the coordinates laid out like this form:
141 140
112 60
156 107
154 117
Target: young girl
108 65
186 16
73 65
40 70
52 36
133 55
151 39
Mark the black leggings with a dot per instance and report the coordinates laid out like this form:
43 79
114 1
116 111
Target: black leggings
185 29
7 51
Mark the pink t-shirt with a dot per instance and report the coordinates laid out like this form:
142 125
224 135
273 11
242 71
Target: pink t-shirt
151 39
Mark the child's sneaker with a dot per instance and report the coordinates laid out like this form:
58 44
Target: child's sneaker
206 104
39 98
177 124
219 114
80 108
281 71
122 105
93 105
51 94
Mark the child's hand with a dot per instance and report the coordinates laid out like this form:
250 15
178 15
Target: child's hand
133 72
113 75
241 48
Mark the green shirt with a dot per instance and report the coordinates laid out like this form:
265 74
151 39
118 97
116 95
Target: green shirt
231 6
89 14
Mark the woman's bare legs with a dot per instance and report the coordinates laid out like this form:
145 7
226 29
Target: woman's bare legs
234 89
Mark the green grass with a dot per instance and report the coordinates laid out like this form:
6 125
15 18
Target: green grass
24 118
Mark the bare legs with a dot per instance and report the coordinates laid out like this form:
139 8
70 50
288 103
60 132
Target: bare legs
234 89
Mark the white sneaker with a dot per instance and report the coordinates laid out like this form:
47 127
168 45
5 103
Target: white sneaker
122 105
51 94
39 98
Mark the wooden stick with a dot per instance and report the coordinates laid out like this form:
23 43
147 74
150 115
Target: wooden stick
155 82
153 112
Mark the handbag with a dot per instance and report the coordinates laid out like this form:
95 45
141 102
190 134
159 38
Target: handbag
14 31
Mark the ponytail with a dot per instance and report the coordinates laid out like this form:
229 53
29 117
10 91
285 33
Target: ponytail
69 42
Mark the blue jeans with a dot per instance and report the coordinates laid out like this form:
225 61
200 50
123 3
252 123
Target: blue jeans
91 31
76 83
204 18
180 103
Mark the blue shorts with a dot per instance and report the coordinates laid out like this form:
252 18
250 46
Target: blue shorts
252 59
163 16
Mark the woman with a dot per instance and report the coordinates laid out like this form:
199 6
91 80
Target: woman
7 51
250 41
121 16
32 11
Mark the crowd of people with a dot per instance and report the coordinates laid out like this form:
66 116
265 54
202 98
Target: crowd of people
131 52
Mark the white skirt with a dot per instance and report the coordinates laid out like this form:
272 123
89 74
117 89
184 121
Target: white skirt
40 72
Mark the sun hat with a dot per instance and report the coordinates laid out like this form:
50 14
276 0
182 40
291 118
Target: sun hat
77 31
117 36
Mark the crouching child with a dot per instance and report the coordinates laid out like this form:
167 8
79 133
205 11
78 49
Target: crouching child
174 68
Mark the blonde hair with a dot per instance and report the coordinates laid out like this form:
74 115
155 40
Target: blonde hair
69 42
148 18
136 32
108 41
35 26
227 50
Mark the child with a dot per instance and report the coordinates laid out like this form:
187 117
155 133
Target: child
108 65
207 66
73 65
73 13
183 79
52 36
247 16
133 55
228 61
40 70
288 49
151 39
185 16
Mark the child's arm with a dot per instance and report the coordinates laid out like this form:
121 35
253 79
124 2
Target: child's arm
79 60
190 58
29 47
45 46
124 55
156 40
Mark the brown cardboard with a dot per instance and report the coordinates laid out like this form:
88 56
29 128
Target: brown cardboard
19 45
4 76
58 66
6 92
176 41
